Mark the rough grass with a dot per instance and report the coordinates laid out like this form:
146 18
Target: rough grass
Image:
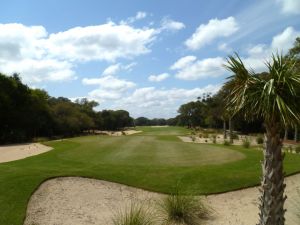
153 162
134 215
183 209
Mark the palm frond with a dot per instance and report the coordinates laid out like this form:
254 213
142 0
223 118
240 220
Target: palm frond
273 96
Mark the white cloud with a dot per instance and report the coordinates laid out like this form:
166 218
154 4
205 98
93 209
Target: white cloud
257 50
183 62
258 54
18 41
129 66
191 69
110 83
102 42
110 88
40 57
36 71
22 51
112 69
140 15
102 95
116 68
158 78
224 47
150 101
171 25
290 6
215 28
285 40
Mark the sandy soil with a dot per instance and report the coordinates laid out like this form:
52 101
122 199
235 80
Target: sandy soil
14 152
118 133
219 140
82 201
241 207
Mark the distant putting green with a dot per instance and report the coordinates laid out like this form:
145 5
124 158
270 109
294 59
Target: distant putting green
155 160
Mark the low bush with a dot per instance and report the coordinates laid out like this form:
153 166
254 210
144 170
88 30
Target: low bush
183 209
193 138
134 215
297 149
246 143
205 135
227 143
235 136
259 140
214 139
289 149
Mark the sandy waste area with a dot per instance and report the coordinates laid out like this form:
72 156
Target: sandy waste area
83 201
219 140
14 152
118 133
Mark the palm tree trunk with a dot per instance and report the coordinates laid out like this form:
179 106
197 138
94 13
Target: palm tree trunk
296 134
272 189
224 129
285 134
230 131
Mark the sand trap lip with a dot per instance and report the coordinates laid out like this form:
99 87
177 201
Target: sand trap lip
10 153
84 201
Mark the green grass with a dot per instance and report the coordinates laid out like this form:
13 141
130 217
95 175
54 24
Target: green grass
155 160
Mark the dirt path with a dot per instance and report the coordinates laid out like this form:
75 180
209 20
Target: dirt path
14 152
82 201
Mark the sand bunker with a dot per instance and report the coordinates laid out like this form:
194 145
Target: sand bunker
118 133
82 201
14 152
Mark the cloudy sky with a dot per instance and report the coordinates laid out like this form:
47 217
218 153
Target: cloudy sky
147 57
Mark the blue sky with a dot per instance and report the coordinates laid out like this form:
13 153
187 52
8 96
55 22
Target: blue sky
147 57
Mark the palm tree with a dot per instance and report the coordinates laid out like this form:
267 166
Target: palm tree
272 96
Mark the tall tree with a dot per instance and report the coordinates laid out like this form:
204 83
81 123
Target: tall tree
275 98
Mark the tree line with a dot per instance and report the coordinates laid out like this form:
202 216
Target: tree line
27 113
